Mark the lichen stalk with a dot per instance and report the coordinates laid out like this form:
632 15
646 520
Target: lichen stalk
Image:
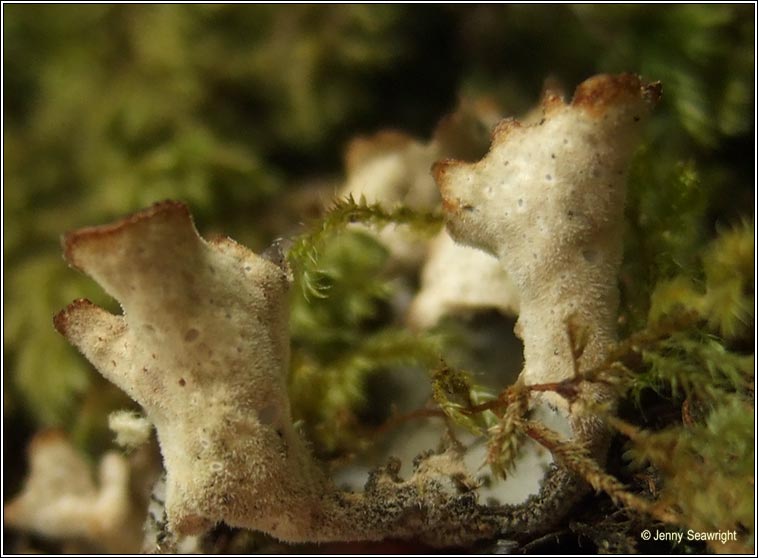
203 346
548 201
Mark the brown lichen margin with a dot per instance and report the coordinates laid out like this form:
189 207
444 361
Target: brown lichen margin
72 241
598 93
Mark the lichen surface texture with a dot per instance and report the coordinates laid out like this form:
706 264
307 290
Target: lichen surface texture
379 279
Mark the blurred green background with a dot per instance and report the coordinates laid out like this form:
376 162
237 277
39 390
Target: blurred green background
239 110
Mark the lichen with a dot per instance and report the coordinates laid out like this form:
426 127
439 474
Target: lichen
243 112
457 278
392 169
61 500
207 359
548 201
131 429
203 346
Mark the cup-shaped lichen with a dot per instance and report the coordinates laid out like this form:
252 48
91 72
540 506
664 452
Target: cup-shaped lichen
203 346
548 201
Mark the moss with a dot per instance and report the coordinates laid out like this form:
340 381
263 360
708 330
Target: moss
340 332
704 367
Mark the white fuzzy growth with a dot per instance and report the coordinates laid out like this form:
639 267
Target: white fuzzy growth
548 201
458 278
61 500
203 346
131 429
